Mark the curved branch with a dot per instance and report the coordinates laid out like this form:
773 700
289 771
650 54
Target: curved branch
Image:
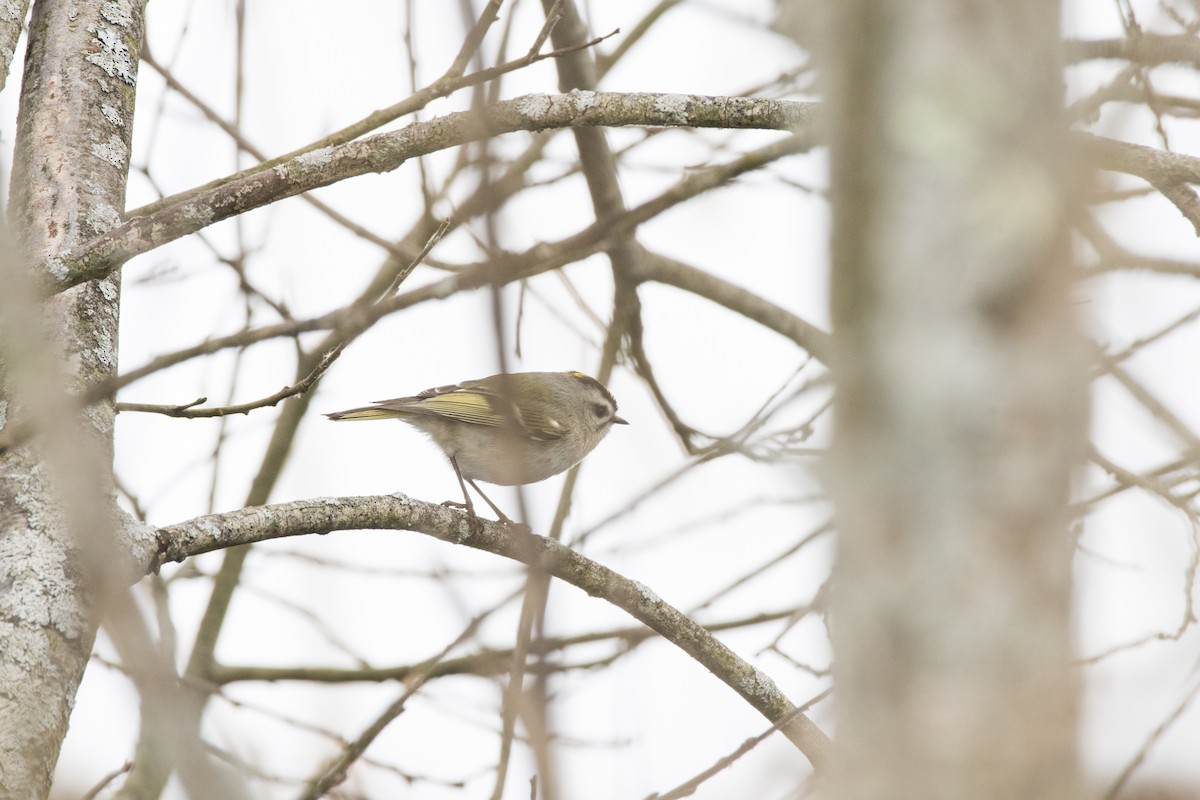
536 112
1149 163
540 258
1169 172
386 151
662 269
482 662
398 512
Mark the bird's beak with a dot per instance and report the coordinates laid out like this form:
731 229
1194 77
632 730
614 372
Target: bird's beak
618 421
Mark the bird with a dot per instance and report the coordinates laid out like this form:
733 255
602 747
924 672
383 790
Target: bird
507 429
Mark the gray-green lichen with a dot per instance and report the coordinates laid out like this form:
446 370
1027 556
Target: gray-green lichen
118 13
112 115
758 684
113 56
10 10
534 106
199 212
57 268
112 151
101 217
314 158
40 591
673 106
583 100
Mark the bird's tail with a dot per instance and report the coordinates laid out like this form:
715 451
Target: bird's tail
367 412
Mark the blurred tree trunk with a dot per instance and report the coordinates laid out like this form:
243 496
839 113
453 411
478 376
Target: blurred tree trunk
68 184
961 401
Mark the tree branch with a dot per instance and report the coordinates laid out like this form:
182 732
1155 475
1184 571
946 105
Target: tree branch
1146 49
1168 172
398 512
386 151
482 662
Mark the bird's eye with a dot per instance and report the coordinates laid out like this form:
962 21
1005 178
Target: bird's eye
600 410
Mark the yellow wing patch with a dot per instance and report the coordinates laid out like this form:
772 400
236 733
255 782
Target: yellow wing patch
471 407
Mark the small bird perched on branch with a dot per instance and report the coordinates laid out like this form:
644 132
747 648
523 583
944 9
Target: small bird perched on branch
506 429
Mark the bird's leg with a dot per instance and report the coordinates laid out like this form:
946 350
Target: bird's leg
466 497
499 514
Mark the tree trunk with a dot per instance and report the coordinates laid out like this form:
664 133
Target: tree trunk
68 184
961 401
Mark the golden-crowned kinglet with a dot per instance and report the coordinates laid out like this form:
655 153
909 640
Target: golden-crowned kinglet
507 429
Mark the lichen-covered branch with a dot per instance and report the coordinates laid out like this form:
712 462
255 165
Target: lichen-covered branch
12 15
398 512
387 151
